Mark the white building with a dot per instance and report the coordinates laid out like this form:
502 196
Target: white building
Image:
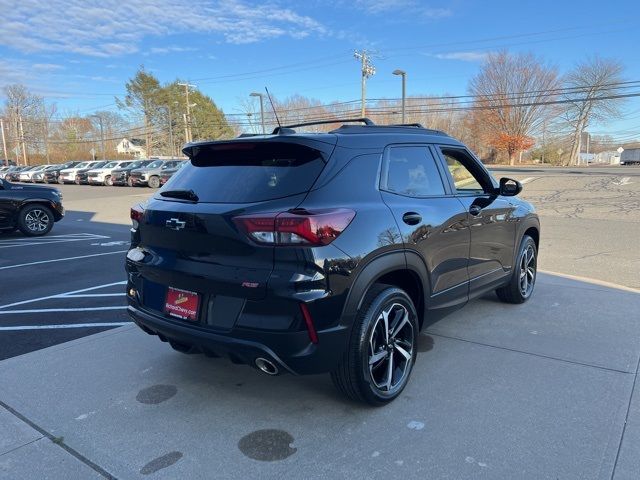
134 146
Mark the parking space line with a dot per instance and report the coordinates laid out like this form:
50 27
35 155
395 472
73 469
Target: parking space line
60 260
48 310
75 325
61 295
49 240
94 295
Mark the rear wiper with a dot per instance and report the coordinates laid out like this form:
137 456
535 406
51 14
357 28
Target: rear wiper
182 194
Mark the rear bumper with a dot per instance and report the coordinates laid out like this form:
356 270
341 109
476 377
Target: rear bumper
291 351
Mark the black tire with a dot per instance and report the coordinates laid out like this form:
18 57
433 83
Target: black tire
523 279
107 181
35 220
154 182
77 180
360 376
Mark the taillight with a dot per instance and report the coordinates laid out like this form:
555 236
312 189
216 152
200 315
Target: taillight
320 227
137 212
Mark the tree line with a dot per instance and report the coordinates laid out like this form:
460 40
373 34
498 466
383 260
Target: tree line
516 104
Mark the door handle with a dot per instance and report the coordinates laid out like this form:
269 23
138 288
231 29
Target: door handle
412 218
475 210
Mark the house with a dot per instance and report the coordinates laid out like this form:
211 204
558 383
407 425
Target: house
134 146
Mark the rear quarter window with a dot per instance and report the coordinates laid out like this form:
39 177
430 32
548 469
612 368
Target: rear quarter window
252 173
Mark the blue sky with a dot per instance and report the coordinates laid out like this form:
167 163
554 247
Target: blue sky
79 54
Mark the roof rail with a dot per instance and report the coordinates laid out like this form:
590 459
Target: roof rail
417 125
284 128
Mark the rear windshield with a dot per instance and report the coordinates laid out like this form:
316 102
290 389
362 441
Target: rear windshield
245 173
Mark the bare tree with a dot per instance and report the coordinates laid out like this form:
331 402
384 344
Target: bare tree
511 91
23 111
593 92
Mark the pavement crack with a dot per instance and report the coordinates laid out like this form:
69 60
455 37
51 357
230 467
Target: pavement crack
626 421
21 446
58 441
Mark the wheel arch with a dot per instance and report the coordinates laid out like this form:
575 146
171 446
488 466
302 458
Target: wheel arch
405 270
37 201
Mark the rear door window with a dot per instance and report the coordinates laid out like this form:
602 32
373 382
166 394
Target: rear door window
249 172
411 171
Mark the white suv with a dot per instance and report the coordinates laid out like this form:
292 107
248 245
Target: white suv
27 175
102 175
68 175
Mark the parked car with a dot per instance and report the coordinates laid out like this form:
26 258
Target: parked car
326 252
51 175
165 175
102 175
82 175
32 209
120 176
25 175
150 175
13 173
68 175
38 177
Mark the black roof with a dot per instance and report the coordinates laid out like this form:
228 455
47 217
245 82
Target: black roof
366 136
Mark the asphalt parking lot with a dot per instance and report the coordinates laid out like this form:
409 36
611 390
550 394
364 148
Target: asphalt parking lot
544 390
66 285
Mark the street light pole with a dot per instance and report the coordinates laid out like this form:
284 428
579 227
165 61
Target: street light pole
403 74
257 94
99 117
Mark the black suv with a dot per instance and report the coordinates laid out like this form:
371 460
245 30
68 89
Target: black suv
120 176
31 208
326 252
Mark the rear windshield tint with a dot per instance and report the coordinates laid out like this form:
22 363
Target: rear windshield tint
252 172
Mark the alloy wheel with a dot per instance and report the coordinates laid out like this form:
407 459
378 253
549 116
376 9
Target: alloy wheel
37 220
527 271
390 352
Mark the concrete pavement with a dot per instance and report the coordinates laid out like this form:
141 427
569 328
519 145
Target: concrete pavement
542 390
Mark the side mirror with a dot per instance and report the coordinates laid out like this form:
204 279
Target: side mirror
509 187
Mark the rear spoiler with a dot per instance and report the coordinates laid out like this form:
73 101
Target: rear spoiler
243 151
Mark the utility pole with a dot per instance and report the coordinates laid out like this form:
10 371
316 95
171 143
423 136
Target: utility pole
588 138
403 74
257 94
367 70
186 128
99 117
186 86
173 146
4 141
24 148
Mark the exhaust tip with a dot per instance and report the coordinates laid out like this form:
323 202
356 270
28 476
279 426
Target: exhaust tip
266 366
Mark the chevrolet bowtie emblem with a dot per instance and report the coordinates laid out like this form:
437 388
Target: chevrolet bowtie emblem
175 224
